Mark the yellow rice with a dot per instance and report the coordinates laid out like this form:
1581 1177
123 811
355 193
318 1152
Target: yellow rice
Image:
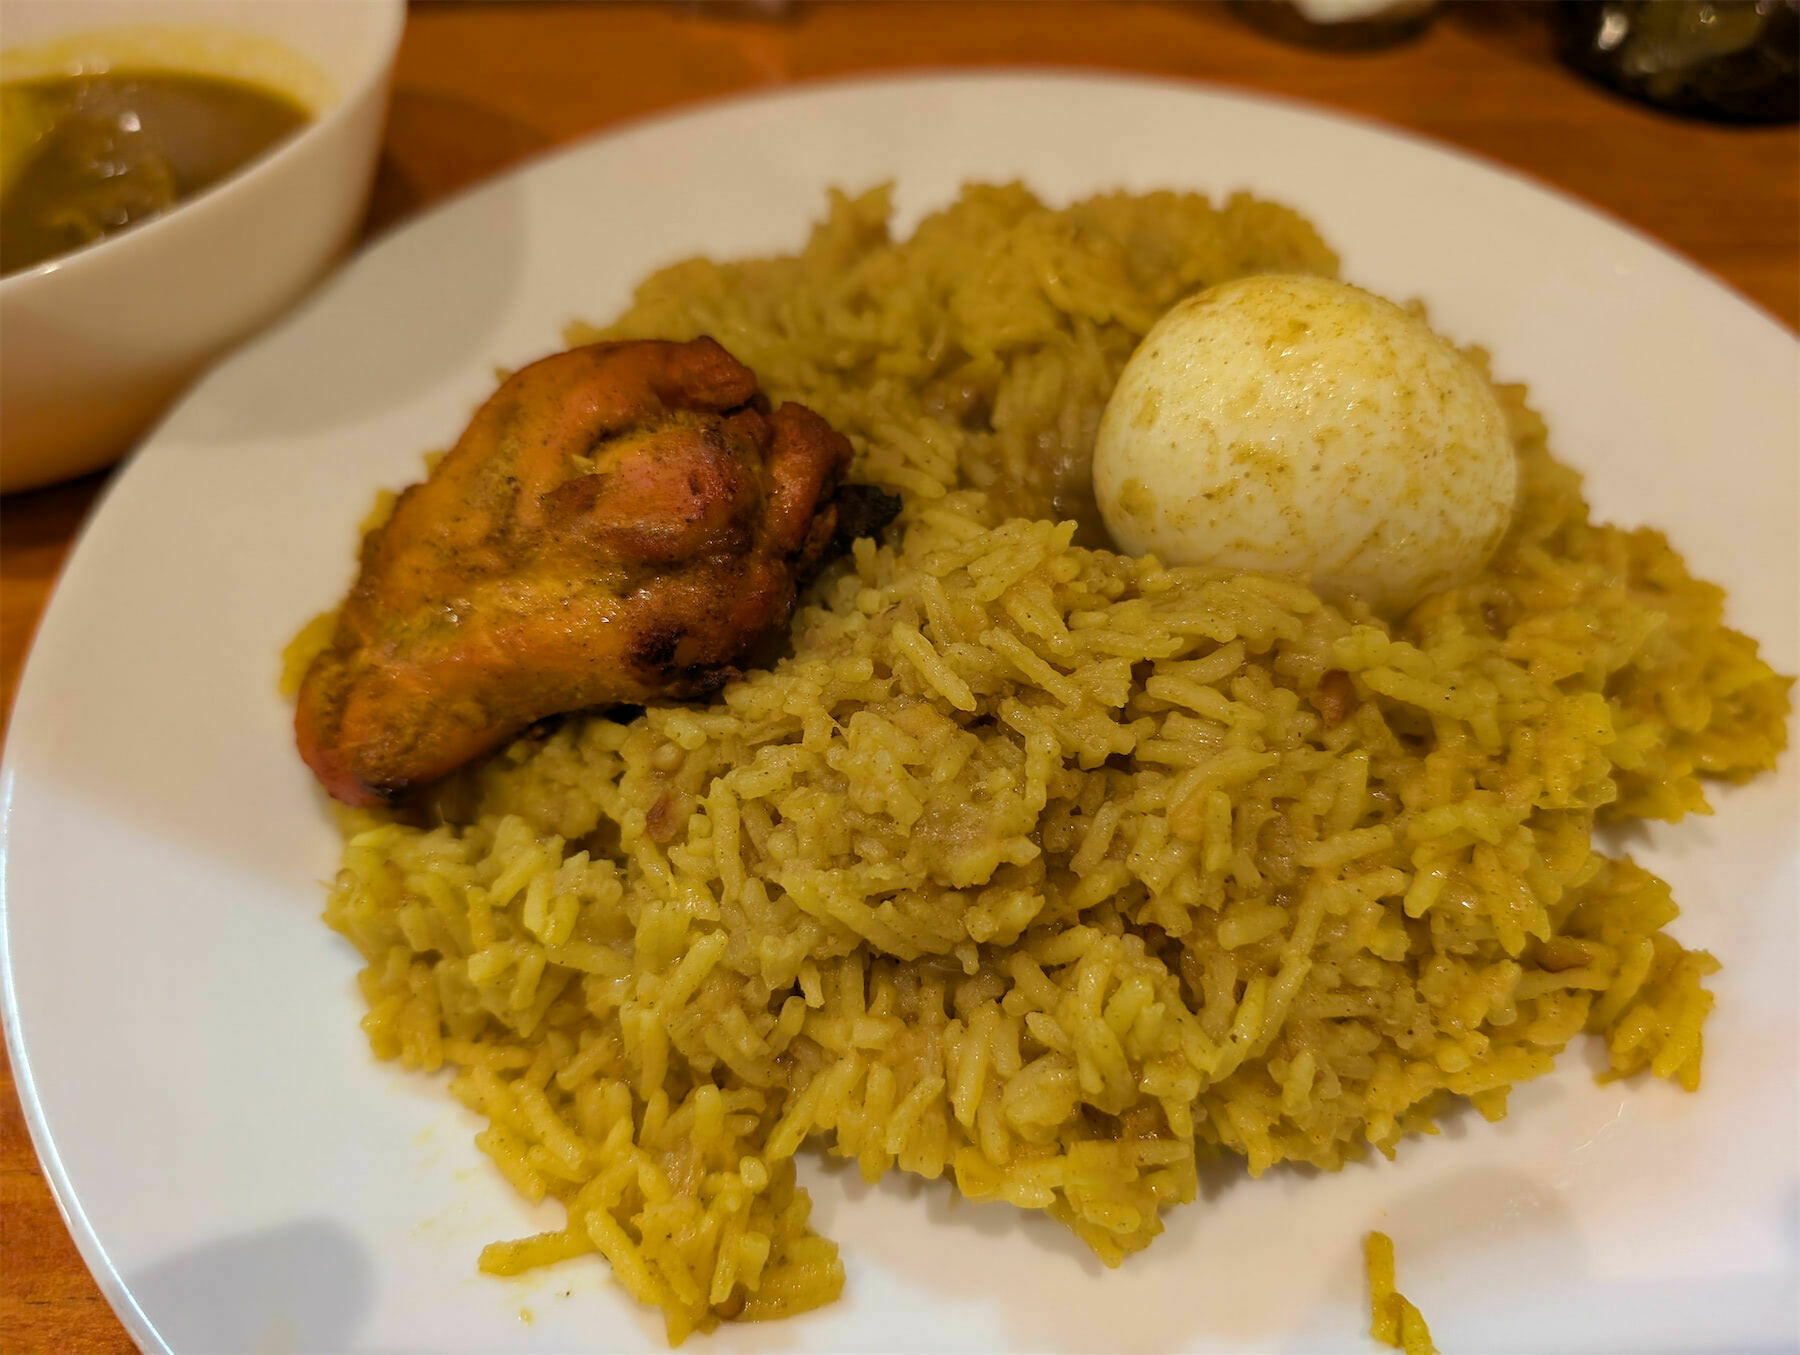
1036 866
1393 1319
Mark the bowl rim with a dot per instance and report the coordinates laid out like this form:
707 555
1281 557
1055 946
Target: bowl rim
260 167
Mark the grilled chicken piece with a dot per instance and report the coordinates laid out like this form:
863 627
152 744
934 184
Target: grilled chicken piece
619 523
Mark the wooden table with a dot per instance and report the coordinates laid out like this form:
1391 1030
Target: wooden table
482 86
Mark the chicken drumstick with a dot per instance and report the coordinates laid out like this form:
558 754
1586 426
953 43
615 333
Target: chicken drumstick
619 523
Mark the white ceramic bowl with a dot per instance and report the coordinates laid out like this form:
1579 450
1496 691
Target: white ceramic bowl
96 343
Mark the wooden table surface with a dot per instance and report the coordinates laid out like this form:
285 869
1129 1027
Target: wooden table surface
481 86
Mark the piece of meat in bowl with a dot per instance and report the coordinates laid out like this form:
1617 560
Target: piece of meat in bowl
620 523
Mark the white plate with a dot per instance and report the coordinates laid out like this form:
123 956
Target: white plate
241 1176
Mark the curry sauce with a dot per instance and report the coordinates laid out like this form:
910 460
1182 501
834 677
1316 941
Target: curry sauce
85 156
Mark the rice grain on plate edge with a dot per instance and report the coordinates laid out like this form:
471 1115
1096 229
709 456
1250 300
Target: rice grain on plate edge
1036 865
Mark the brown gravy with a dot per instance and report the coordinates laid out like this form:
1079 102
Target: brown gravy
89 155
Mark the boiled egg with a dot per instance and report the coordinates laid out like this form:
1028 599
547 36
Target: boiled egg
1300 425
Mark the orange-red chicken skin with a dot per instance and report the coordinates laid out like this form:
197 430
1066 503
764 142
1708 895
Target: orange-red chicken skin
618 524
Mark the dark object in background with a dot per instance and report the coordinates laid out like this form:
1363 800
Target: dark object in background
1339 25
1731 60
771 11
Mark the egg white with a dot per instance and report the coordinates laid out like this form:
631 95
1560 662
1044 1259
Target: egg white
1299 425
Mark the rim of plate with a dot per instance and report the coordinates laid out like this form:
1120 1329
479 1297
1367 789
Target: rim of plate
1042 73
